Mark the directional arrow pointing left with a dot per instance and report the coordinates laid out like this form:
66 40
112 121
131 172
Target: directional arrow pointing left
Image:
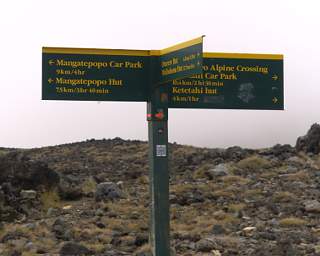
50 80
51 62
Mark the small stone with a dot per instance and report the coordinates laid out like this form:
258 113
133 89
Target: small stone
100 225
18 243
219 215
205 245
15 253
317 248
216 253
267 235
316 230
43 251
70 187
218 171
52 212
29 246
28 194
295 160
120 184
71 248
62 229
248 231
134 215
67 207
107 191
112 215
312 206
141 239
218 230
30 226
146 253
99 212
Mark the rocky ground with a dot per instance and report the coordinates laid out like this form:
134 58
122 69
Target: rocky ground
91 198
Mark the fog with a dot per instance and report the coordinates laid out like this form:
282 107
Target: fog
284 27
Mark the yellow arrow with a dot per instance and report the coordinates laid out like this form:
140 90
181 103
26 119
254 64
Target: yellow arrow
275 77
50 80
51 62
275 100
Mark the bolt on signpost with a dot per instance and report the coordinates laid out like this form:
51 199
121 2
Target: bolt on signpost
181 76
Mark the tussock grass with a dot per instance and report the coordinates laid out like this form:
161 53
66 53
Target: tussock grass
50 199
298 176
22 231
234 179
236 207
182 188
269 174
125 208
283 197
292 222
194 225
254 164
3 152
205 223
88 233
228 219
144 250
253 194
144 179
224 193
28 254
201 172
89 186
96 247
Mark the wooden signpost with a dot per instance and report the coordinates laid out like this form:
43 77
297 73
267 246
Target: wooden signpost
181 76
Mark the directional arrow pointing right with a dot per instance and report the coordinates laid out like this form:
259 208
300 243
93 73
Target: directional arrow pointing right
275 77
275 100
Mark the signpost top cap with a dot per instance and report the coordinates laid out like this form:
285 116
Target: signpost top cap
95 51
180 46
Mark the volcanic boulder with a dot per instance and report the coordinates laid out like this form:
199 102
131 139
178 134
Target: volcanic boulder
25 173
311 141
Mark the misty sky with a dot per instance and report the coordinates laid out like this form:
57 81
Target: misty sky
289 27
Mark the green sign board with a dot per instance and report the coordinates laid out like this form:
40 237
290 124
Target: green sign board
232 81
115 75
182 60
95 74
180 76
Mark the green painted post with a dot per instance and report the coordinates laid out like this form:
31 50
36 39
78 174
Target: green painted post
157 113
